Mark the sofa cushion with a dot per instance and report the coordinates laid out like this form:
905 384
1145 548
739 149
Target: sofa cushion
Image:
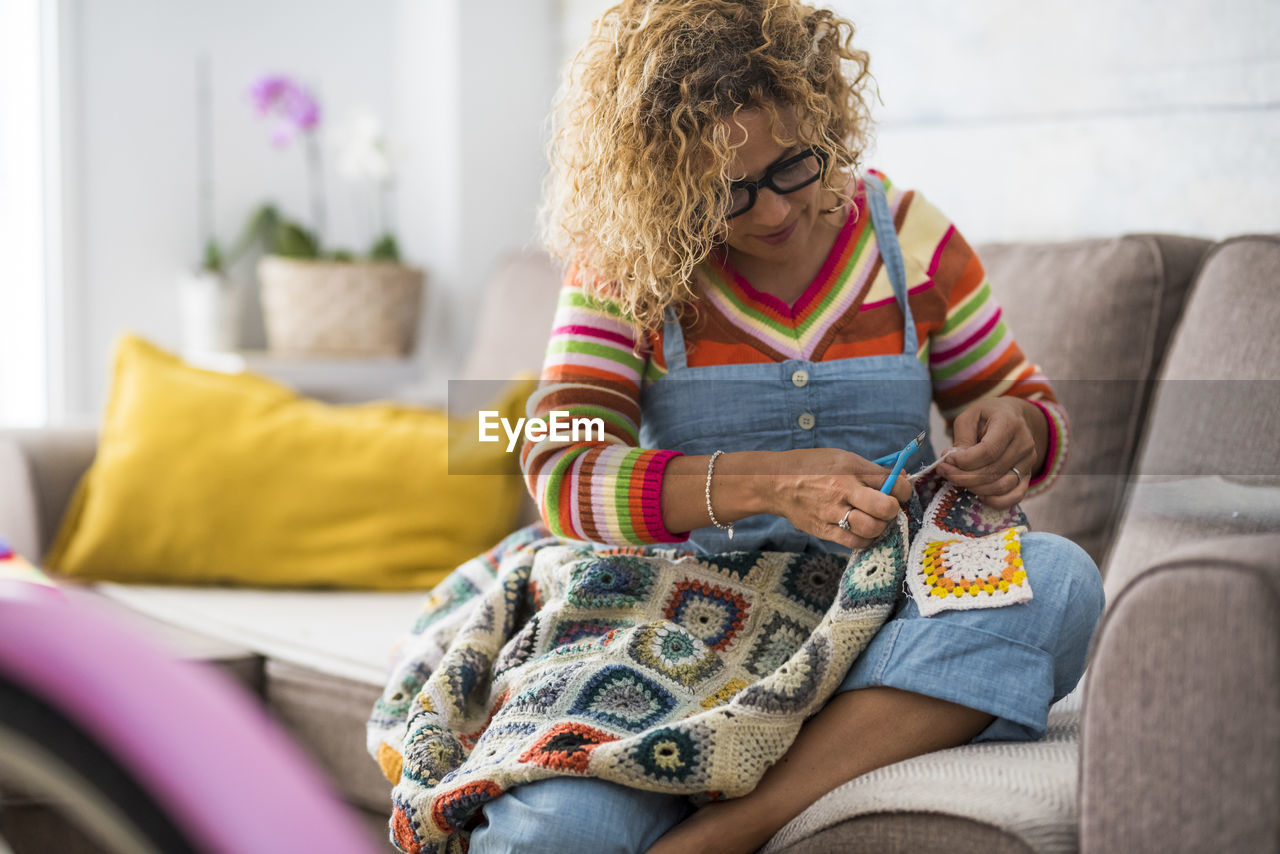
1096 316
286 492
993 796
326 715
348 634
49 461
1217 408
514 323
326 660
1210 462
910 832
511 333
234 659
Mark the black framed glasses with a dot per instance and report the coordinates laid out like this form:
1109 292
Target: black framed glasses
785 176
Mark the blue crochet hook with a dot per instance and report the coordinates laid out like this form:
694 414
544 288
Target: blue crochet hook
899 459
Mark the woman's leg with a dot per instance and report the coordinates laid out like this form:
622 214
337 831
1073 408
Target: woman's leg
924 684
576 815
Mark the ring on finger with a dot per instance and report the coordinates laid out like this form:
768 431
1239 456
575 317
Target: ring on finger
1016 472
843 524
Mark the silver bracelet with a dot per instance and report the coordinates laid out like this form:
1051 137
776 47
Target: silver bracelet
711 465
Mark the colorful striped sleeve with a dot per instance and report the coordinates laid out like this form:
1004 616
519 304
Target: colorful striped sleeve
605 490
974 355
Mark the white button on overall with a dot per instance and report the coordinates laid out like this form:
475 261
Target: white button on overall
805 421
800 379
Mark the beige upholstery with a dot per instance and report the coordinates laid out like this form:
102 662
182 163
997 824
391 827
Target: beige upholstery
16 507
515 317
1181 727
1218 404
1096 316
1000 796
327 715
917 832
1183 693
511 334
1210 461
54 459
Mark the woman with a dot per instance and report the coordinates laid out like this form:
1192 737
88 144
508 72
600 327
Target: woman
756 324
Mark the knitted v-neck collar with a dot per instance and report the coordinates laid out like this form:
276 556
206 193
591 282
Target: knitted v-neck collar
798 330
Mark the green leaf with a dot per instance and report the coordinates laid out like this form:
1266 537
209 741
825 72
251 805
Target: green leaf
291 240
385 249
262 223
212 257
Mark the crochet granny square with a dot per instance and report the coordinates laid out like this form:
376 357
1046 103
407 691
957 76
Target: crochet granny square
967 555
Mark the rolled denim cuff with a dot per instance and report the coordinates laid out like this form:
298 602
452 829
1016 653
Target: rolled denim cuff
964 665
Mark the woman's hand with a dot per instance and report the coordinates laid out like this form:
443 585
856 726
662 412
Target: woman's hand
813 487
993 435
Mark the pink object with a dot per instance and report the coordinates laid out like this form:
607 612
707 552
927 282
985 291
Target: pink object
225 774
294 108
20 580
28 591
1051 453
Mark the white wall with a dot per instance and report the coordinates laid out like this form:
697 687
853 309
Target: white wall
1051 120
475 80
464 86
1070 118
22 314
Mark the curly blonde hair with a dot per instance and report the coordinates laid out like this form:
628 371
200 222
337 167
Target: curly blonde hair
639 182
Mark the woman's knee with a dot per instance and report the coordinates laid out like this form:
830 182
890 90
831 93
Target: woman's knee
572 815
1062 572
1058 567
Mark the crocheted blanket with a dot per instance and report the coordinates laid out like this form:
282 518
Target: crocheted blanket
656 669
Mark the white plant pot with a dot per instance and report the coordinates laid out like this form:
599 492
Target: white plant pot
210 306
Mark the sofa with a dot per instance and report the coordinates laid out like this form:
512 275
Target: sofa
1162 349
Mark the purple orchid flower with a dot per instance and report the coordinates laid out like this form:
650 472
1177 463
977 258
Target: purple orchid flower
294 109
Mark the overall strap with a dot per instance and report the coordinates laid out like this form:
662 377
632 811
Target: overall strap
672 341
891 253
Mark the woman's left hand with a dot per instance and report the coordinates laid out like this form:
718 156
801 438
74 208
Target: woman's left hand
993 436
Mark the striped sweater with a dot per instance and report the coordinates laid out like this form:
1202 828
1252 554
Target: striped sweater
597 362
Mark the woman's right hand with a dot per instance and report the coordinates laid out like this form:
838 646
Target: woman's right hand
813 487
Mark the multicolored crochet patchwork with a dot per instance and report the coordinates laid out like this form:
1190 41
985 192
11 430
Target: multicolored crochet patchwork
688 674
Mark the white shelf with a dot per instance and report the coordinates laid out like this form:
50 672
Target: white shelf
340 379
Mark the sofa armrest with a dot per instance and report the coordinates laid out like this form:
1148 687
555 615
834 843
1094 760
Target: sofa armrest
39 470
1181 721
19 518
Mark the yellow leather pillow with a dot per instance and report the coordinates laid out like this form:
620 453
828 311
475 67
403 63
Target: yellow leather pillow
203 478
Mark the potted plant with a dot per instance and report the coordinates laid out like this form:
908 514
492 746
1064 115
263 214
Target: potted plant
210 304
317 301
210 299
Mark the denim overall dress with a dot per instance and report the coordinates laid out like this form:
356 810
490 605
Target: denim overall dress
1012 661
869 405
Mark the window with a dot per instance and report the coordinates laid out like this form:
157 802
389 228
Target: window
24 328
